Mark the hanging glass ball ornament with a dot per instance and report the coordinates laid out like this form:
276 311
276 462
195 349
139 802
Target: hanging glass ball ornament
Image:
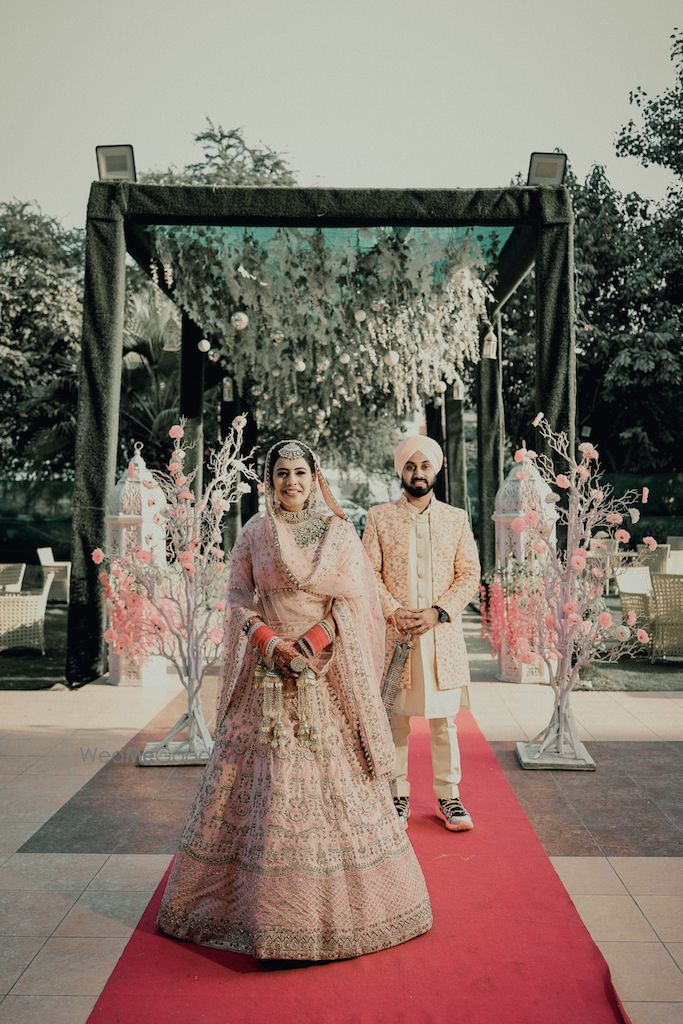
378 305
345 358
440 387
204 345
239 321
360 316
392 358
323 365
337 381
277 337
214 354
256 391
275 372
299 365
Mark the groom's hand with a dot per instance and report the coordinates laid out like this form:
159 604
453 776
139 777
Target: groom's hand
407 620
426 618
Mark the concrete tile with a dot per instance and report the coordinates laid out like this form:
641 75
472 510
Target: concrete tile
33 912
26 742
70 967
130 872
52 1009
613 918
54 871
657 876
29 786
70 764
16 953
643 971
665 914
14 834
12 765
650 1013
38 808
592 876
105 914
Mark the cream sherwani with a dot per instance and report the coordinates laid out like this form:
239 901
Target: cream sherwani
441 567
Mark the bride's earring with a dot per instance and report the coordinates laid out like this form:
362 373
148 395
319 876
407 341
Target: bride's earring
312 496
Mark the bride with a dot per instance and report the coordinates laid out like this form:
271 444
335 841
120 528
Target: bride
292 849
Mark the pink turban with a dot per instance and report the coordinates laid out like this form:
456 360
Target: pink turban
420 443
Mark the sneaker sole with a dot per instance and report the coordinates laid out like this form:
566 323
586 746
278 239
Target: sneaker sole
465 826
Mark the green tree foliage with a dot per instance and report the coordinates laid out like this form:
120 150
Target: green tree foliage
40 321
629 290
227 160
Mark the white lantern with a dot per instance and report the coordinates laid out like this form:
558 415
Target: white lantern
239 321
490 346
392 358
133 505
458 390
204 345
440 387
360 316
299 366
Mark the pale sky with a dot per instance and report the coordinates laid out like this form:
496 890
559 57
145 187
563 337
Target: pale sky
357 92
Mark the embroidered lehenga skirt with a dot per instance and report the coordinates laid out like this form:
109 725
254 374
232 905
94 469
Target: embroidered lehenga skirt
289 853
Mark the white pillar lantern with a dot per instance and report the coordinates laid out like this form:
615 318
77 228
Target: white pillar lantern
135 501
523 488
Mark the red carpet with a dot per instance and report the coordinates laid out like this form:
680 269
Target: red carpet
507 946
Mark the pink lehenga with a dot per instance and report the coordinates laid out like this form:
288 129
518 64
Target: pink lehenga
293 849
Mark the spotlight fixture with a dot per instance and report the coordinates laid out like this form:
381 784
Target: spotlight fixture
547 169
115 163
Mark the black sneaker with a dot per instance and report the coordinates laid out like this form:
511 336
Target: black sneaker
453 815
402 805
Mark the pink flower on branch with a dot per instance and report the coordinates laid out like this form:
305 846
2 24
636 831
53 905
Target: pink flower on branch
643 636
98 556
605 620
176 431
518 525
645 495
614 518
650 543
562 481
631 618
622 536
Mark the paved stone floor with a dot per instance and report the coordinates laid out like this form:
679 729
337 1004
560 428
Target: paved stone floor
85 836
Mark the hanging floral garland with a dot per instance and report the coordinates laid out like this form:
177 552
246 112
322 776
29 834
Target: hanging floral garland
308 321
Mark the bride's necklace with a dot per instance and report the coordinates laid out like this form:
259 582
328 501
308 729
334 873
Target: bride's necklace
307 525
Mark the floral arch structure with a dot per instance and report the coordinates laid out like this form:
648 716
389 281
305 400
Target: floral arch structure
117 222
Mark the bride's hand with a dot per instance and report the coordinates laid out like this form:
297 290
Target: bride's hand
282 656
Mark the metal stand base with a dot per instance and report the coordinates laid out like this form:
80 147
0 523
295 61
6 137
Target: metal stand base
529 757
155 755
194 749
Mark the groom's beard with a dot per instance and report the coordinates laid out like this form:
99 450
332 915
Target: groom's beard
418 488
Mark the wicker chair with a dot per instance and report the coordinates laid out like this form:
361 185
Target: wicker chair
22 618
11 577
667 638
62 574
634 580
656 560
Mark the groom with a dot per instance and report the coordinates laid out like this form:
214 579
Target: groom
427 567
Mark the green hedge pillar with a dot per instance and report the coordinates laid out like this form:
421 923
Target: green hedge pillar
99 391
